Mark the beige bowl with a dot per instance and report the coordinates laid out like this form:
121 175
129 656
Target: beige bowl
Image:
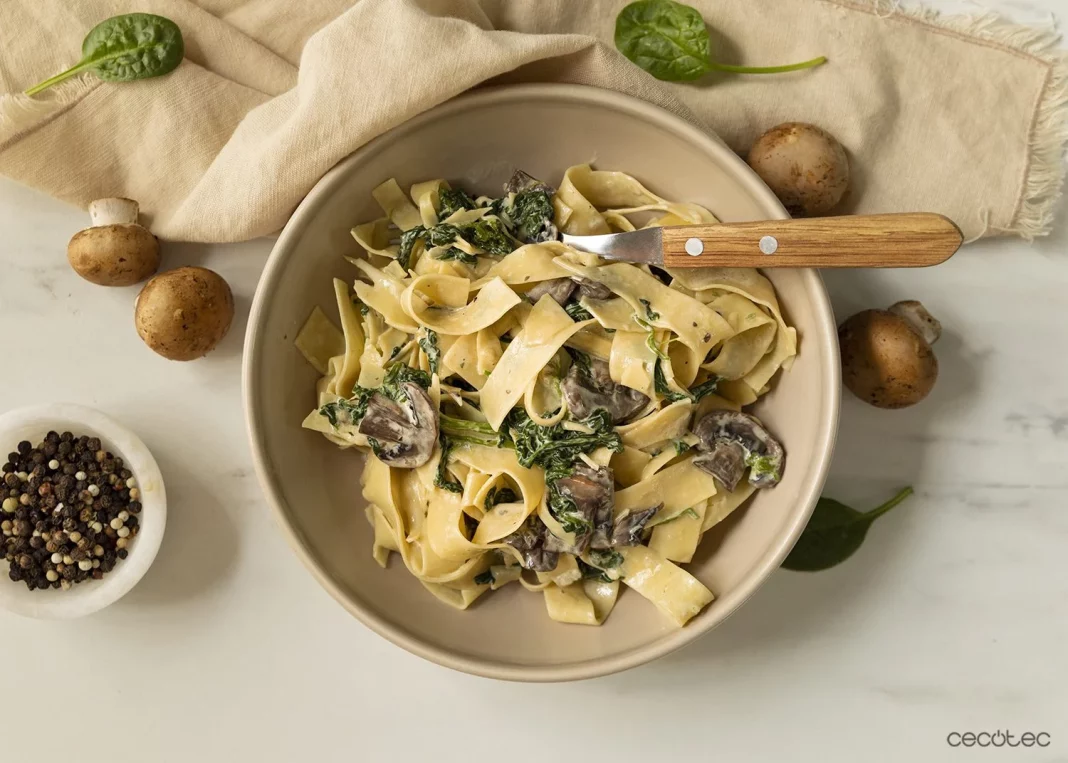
313 487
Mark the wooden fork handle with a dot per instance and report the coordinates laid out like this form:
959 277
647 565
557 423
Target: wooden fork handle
911 240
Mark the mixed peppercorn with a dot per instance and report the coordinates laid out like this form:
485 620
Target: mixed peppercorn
69 512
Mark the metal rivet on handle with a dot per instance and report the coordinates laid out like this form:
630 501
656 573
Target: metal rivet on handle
769 245
694 247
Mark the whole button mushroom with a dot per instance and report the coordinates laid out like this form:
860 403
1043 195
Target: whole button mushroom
184 313
886 354
803 165
115 250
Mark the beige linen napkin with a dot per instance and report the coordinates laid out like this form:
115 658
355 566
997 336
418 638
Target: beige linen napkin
964 116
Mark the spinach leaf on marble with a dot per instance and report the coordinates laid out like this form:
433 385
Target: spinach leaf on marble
834 533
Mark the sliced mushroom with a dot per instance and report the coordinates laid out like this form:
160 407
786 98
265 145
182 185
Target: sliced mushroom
521 181
763 454
725 462
558 288
404 434
592 491
629 527
586 392
592 289
529 541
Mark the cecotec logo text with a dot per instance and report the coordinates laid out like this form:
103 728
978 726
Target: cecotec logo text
997 738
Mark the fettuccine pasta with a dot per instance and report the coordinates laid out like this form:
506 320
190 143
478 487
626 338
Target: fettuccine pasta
533 414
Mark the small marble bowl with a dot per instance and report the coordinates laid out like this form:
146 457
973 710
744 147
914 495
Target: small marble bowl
33 423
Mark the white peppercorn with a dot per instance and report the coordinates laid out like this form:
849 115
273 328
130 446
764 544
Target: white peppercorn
123 532
131 483
93 490
124 515
85 565
75 536
116 523
53 464
80 475
135 494
57 558
52 576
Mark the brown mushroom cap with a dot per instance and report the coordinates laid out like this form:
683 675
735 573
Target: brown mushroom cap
804 165
114 255
183 314
885 360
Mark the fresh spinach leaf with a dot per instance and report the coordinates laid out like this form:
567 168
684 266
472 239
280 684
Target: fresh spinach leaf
125 48
834 533
670 41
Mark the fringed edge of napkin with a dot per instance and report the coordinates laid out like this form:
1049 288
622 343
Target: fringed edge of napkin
1042 184
19 113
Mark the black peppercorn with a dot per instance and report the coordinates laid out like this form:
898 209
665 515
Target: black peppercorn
56 512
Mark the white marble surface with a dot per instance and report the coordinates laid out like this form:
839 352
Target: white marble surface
952 617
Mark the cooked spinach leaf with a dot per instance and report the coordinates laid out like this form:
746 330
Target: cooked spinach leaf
834 533
577 312
442 234
442 477
499 495
663 388
531 215
484 578
407 245
650 313
704 389
556 449
490 235
429 343
453 200
345 412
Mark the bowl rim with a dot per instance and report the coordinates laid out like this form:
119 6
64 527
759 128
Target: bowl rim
94 595
808 493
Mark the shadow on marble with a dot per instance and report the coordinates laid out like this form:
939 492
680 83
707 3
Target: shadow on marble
200 546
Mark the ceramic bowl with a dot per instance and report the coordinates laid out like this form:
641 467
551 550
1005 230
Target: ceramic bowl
33 423
476 141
